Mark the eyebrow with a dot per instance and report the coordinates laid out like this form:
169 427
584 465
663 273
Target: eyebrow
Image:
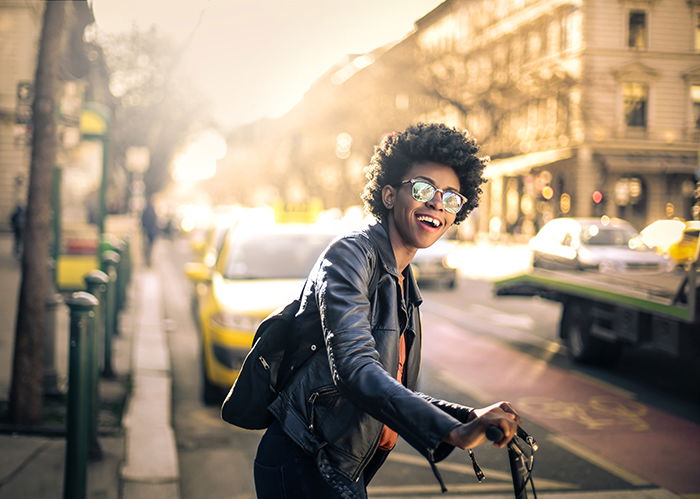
433 182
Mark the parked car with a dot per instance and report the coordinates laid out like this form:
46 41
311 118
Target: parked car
675 238
600 244
431 266
258 270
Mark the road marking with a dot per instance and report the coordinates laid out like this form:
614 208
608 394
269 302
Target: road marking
491 474
482 398
456 319
502 323
403 458
521 321
597 413
599 461
604 494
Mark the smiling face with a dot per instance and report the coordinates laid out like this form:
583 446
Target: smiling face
414 224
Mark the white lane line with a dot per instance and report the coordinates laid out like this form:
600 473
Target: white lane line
491 474
603 494
598 460
502 322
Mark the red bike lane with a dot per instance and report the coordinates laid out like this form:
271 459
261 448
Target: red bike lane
608 422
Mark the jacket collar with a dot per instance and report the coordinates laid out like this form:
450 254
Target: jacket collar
378 233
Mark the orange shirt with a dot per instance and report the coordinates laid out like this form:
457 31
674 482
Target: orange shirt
389 437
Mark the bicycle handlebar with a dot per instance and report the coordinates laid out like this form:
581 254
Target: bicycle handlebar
520 471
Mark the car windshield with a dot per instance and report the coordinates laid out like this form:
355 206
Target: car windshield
275 256
607 236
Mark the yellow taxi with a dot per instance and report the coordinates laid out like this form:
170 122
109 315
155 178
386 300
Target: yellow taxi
674 237
257 271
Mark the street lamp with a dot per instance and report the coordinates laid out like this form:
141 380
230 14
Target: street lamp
137 161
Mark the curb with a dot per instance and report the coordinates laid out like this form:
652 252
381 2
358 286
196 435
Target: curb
150 468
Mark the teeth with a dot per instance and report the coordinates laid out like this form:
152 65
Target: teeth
434 221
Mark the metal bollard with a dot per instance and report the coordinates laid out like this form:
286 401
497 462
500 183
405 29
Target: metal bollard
50 378
96 284
110 260
111 242
127 245
82 312
120 248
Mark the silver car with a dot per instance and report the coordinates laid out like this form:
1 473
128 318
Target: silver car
431 265
602 244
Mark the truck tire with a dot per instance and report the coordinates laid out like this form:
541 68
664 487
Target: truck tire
575 329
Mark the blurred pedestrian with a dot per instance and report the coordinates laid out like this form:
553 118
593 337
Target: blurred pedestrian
149 224
340 415
17 222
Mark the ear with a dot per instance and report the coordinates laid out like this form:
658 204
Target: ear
388 196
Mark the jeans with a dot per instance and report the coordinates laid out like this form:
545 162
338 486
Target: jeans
283 470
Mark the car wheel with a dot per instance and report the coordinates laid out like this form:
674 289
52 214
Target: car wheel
211 393
582 345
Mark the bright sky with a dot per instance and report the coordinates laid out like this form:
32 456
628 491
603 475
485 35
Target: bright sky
256 58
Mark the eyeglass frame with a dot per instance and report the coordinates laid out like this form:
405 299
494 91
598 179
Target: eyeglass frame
461 196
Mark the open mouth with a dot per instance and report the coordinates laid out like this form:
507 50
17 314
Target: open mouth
429 222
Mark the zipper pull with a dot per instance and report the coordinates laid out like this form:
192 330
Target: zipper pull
264 363
477 469
312 401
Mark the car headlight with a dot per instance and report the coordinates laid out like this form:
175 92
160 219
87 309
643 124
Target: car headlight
230 320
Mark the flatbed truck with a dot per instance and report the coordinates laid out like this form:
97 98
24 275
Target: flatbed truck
603 312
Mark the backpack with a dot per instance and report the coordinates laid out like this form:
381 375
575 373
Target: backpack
266 369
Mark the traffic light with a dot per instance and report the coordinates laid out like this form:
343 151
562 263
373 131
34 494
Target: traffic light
597 198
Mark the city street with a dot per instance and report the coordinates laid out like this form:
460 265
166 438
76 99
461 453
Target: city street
624 432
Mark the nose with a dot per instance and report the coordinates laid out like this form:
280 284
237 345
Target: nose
436 201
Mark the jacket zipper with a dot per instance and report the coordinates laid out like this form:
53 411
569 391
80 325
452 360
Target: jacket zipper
367 458
312 401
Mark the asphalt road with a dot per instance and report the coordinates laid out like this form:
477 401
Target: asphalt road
477 349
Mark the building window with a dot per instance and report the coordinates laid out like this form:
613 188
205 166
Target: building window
697 32
636 98
637 29
695 97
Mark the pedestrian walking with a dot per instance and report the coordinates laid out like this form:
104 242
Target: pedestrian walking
342 412
17 222
149 224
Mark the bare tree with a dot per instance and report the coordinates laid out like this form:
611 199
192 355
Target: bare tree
157 106
26 391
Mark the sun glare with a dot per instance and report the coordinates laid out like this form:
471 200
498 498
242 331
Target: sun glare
198 160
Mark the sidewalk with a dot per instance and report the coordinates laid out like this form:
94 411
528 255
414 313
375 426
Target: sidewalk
135 434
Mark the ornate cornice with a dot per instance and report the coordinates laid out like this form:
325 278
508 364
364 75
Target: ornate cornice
692 75
635 71
641 3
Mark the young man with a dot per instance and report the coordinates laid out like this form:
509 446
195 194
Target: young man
339 417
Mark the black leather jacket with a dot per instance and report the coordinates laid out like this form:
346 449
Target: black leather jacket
336 405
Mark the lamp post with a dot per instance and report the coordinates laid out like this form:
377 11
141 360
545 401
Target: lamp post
137 161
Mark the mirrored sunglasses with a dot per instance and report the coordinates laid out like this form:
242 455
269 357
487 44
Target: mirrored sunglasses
424 191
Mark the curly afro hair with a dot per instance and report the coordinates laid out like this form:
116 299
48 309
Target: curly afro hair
434 142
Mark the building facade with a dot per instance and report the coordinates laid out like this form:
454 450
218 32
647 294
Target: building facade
20 26
586 107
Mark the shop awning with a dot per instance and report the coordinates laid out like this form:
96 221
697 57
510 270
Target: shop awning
682 162
523 163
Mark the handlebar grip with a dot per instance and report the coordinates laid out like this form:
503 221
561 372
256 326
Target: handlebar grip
494 433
